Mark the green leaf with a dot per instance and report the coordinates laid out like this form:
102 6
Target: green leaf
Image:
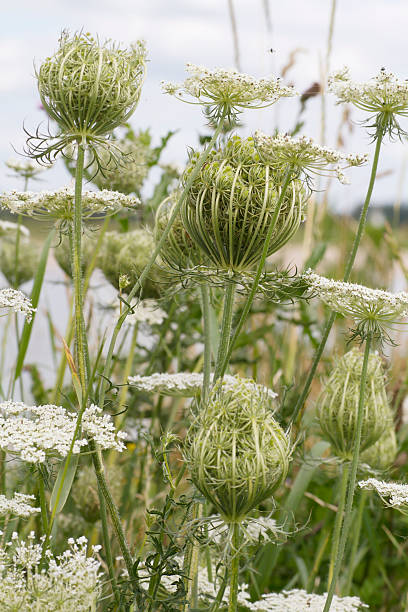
62 492
35 297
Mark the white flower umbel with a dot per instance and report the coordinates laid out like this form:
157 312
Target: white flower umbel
305 156
146 311
17 301
261 529
297 600
227 92
19 505
395 494
7 228
373 310
59 204
26 169
384 96
188 384
72 580
35 432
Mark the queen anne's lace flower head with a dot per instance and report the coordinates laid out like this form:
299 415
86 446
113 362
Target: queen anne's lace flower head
19 505
373 310
34 432
27 169
298 600
188 384
59 204
227 92
394 494
17 301
72 580
88 88
8 228
384 96
305 157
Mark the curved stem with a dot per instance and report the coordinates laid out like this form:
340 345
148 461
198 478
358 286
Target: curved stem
200 162
234 569
347 272
106 542
339 520
255 284
226 326
352 481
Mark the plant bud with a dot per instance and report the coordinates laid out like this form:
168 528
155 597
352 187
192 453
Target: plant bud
231 203
381 455
127 254
178 251
236 451
338 404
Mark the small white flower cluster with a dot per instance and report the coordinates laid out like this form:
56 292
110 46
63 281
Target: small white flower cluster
33 432
304 155
395 493
358 301
26 169
297 600
7 227
384 92
72 580
254 530
17 301
59 204
188 384
19 505
146 311
227 91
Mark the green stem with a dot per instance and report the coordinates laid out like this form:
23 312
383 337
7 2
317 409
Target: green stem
352 481
226 325
205 306
339 520
190 567
347 272
356 541
217 602
234 569
43 501
255 284
200 162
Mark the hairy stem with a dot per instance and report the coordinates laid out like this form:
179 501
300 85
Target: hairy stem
339 520
226 327
234 568
205 306
356 541
352 480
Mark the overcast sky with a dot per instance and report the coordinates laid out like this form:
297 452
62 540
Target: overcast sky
368 34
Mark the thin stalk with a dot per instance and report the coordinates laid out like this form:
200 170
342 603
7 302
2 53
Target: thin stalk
190 568
356 541
226 327
139 284
205 306
107 547
347 272
352 480
339 520
234 569
217 602
43 501
264 255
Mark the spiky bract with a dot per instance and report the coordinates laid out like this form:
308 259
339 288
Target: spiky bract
230 205
236 451
338 404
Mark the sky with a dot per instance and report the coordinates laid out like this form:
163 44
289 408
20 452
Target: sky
368 35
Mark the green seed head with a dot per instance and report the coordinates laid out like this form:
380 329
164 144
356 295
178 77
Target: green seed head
236 451
231 203
27 262
178 251
128 254
381 455
338 404
90 88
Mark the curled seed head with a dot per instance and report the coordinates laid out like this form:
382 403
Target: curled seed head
128 254
236 451
231 203
338 404
90 88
